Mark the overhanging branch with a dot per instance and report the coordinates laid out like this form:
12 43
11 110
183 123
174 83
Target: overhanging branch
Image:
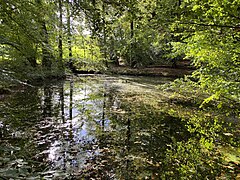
212 25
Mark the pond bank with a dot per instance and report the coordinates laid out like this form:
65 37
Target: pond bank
11 81
161 71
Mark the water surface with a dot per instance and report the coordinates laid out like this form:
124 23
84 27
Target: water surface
85 128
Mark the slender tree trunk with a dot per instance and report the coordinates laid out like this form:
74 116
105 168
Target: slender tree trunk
131 44
131 34
94 18
104 36
95 28
179 2
46 54
69 36
32 61
60 44
46 61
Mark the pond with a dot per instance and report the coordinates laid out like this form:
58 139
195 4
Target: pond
99 127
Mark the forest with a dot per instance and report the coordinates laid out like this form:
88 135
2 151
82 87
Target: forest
119 89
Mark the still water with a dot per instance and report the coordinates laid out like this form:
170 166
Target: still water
85 128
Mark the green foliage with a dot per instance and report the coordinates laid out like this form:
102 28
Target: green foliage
86 53
127 30
187 129
25 39
190 160
214 46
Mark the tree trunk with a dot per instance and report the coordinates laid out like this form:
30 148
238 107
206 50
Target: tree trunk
46 54
131 43
60 44
69 36
32 61
104 36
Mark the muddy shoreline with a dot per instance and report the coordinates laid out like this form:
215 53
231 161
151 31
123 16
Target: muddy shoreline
161 71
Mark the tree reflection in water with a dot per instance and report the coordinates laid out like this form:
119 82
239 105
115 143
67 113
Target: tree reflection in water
102 129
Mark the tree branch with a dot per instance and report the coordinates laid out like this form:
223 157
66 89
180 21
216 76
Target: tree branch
212 25
16 46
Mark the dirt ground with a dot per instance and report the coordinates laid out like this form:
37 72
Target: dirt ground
152 71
